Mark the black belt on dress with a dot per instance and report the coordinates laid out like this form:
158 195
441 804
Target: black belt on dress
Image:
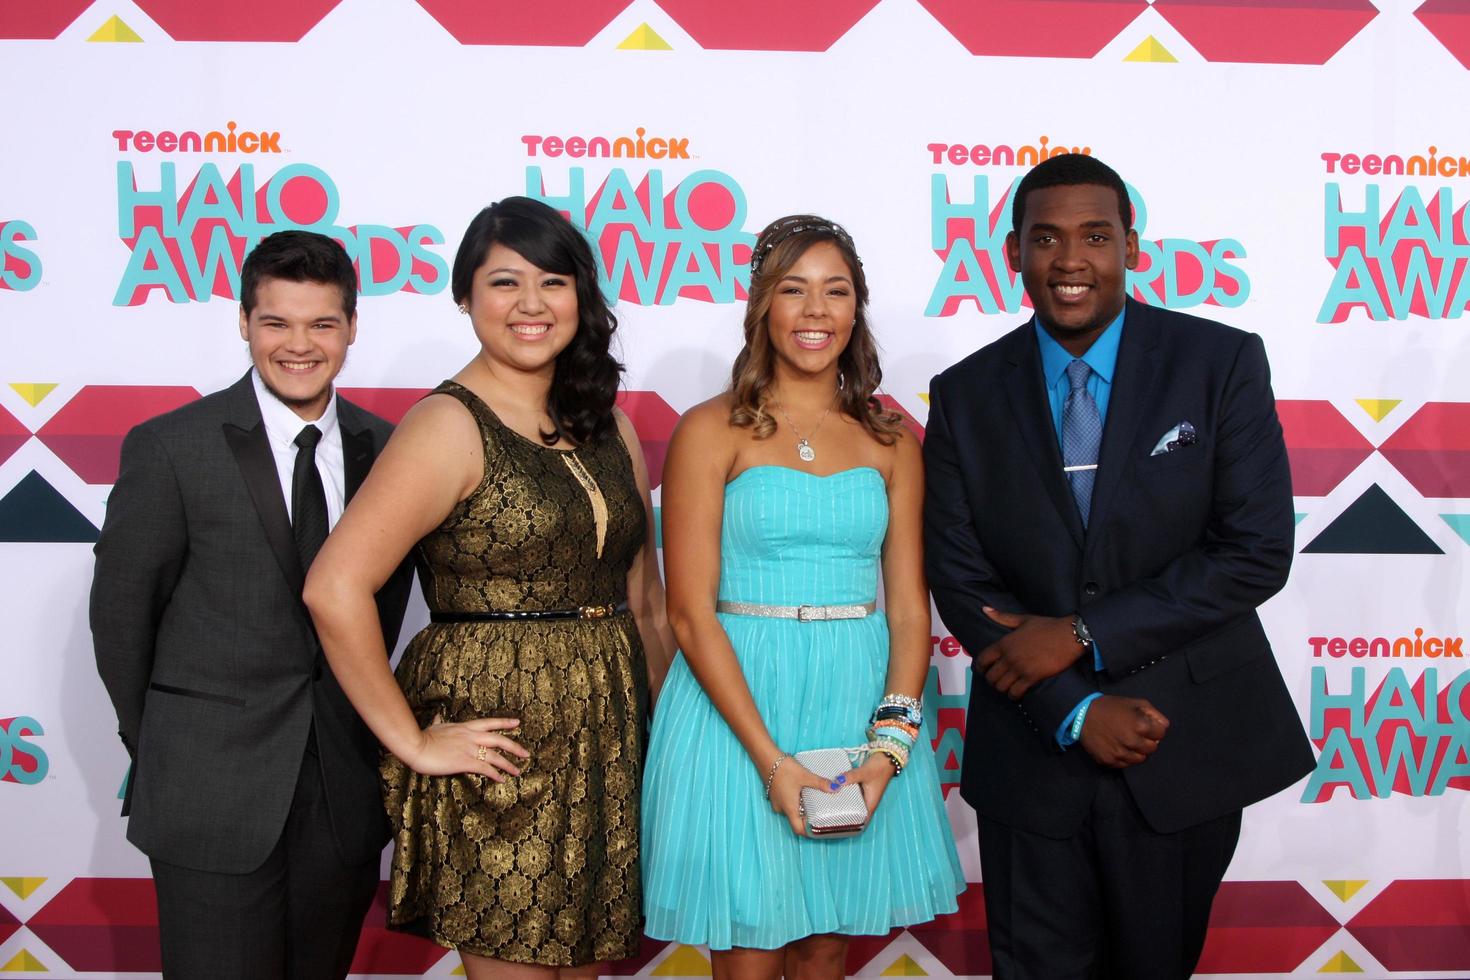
578 612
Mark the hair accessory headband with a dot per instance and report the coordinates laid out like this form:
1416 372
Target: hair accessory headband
791 227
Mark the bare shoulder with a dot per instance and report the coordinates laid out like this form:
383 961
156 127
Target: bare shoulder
631 441
905 456
440 421
704 440
709 420
625 426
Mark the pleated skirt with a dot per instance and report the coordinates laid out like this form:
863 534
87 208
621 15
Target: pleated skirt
721 868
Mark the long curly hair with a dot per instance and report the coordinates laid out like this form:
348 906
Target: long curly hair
585 383
777 249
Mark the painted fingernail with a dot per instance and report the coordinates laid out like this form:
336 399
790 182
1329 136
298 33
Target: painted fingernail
842 778
835 785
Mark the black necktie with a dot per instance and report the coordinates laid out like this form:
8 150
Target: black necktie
308 498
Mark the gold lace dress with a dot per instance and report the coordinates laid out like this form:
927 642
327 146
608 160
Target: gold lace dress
544 867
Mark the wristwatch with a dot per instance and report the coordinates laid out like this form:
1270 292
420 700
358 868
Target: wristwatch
1081 632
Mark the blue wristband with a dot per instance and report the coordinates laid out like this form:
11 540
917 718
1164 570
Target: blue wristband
1076 730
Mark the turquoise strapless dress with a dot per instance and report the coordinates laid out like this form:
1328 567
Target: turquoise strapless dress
720 868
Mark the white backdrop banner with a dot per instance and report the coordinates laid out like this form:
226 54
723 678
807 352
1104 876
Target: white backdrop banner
1298 170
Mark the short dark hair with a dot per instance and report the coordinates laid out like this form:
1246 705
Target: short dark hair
585 386
299 256
1069 170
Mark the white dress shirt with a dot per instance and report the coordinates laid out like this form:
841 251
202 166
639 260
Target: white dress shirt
282 426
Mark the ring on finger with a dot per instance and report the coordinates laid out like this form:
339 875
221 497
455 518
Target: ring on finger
480 753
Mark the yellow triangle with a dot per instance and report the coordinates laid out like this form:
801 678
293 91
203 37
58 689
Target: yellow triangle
1150 50
33 393
457 971
23 887
904 966
115 30
686 961
1341 962
1378 407
24 962
924 395
644 38
1345 889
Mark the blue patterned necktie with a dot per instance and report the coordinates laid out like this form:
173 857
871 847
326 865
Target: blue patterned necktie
1081 435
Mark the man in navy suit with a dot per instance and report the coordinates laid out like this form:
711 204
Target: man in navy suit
1108 502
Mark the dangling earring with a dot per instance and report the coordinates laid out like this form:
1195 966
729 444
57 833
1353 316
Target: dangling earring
841 381
463 308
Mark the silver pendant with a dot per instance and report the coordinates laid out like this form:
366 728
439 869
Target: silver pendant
805 451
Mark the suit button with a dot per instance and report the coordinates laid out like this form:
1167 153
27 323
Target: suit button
316 672
1090 589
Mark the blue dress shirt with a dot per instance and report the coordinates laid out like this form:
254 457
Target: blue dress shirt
1102 357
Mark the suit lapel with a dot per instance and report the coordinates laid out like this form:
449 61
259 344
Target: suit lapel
1031 409
1134 382
245 435
357 449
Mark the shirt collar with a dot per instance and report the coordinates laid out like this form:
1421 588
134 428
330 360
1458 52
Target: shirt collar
283 425
1102 356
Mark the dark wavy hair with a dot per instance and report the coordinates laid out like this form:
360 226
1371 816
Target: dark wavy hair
299 256
777 249
585 384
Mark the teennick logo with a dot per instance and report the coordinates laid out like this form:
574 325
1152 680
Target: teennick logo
231 139
1000 154
639 146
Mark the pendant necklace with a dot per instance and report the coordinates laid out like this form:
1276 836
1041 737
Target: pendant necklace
804 443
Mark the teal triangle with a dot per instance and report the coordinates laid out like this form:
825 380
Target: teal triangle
1373 525
34 511
1461 524
122 791
658 527
1299 518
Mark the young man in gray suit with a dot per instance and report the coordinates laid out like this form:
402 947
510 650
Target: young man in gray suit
254 787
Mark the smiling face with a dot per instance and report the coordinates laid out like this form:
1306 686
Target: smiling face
812 311
1073 255
523 315
298 334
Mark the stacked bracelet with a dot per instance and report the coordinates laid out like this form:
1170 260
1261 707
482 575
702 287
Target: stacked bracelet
897 754
900 707
771 776
894 728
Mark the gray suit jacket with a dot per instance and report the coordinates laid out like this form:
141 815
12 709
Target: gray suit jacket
207 651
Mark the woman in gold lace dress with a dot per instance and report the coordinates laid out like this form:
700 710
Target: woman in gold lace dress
515 728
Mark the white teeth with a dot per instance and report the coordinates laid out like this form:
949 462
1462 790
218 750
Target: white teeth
297 365
1071 290
530 329
812 337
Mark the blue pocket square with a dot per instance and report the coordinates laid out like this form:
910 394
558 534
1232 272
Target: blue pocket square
1182 434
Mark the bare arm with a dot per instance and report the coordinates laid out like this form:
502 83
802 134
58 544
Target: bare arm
905 597
645 586
699 461
433 461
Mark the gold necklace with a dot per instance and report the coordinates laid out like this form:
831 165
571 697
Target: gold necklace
804 443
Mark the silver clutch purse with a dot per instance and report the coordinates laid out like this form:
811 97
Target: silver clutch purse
840 814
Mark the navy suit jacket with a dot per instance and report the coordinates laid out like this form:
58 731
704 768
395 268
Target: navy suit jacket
1180 550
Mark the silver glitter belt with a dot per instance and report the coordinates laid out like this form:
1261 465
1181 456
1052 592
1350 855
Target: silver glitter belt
806 614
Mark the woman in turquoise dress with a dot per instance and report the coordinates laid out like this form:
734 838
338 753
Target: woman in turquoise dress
786 501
